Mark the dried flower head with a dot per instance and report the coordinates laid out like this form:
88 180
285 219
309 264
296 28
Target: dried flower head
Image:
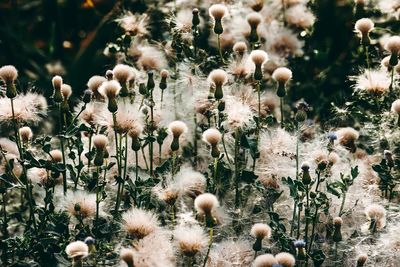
285 259
57 81
261 231
66 91
337 221
191 239
364 26
218 11
240 48
299 16
164 74
212 136
347 136
375 82
8 74
218 77
190 182
81 204
26 134
282 75
177 128
393 45
375 211
110 89
254 19
396 106
100 141
56 155
206 203
95 82
77 249
134 24
259 57
29 108
266 260
123 73
139 223
361 259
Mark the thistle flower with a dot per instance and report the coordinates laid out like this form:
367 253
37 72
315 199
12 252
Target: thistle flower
26 134
94 83
123 74
253 19
361 259
110 90
239 114
363 27
205 204
77 251
57 82
396 109
347 137
190 239
38 175
133 24
377 216
282 75
260 231
258 57
126 255
393 46
66 91
164 75
217 79
266 260
256 5
56 155
176 129
305 167
8 74
285 259
100 142
218 12
240 48
139 223
299 16
80 204
29 108
213 137
337 234
109 75
229 252
190 182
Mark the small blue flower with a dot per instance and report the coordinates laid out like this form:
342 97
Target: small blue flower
299 243
332 136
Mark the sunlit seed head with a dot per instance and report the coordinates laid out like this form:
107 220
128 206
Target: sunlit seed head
266 260
375 211
126 255
177 128
285 259
139 223
254 19
123 73
191 239
206 203
8 74
337 221
95 82
261 231
26 134
100 141
212 136
110 89
396 106
364 26
282 75
66 91
218 77
240 48
57 81
77 249
218 11
56 155
259 57
164 74
361 260
393 45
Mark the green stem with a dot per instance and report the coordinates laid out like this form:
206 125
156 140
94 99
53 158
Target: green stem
281 106
219 48
209 246
342 205
237 193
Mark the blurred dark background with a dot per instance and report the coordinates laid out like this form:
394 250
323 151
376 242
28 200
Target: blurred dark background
46 37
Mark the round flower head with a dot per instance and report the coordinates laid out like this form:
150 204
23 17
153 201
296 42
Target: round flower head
347 137
218 77
56 155
26 134
375 211
385 63
254 19
206 203
212 136
110 89
95 82
218 11
364 26
285 259
139 223
337 221
100 141
396 106
177 128
361 259
8 74
258 57
123 73
282 75
81 204
240 48
66 91
77 249
266 260
57 81
127 255
191 240
393 45
164 74
261 231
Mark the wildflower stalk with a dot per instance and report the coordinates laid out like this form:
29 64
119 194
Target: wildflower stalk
237 194
314 223
5 225
123 154
219 48
367 56
342 205
97 193
216 180
281 107
209 245
64 172
297 149
117 152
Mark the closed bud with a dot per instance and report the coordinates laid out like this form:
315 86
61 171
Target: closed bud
87 96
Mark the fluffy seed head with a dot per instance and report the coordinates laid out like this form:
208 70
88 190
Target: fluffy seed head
56 155
57 81
285 259
218 77
261 230
218 11
254 19
282 75
212 136
337 221
100 141
191 240
396 106
66 91
139 223
25 133
110 89
164 74
347 135
385 62
240 47
375 211
123 73
364 26
177 128
81 204
393 44
126 254
259 57
266 260
95 82
8 73
361 259
77 249
206 203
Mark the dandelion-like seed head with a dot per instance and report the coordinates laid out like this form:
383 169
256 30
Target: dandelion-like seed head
361 259
218 11
136 130
266 260
100 141
260 231
139 223
258 57
206 203
123 73
393 45
110 89
177 128
254 19
375 211
66 91
364 26
57 81
77 249
285 259
337 221
218 77
240 48
164 74
56 155
26 134
8 74
191 239
347 135
212 136
282 75
81 204
95 82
